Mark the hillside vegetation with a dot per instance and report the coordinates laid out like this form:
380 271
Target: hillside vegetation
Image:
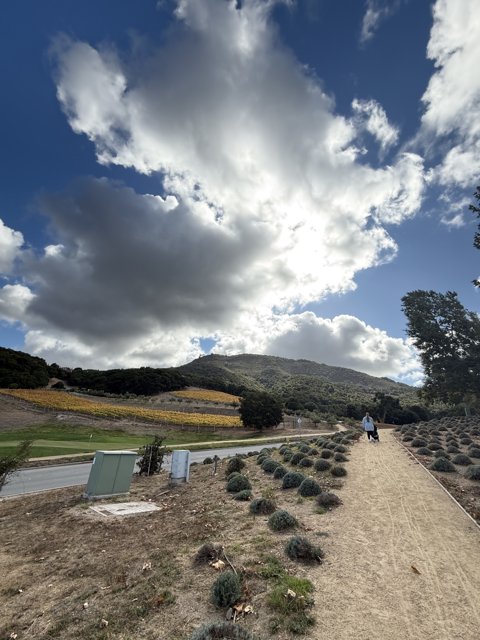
301 385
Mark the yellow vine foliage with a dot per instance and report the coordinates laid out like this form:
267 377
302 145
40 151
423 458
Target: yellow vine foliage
62 401
206 394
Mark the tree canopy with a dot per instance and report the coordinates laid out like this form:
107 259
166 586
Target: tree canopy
476 240
447 336
260 410
21 370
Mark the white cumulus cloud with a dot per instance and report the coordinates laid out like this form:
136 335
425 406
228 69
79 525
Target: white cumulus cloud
10 244
263 198
452 97
344 341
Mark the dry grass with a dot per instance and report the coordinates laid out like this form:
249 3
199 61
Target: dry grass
67 570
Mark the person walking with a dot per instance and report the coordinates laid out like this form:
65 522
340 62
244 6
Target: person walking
368 426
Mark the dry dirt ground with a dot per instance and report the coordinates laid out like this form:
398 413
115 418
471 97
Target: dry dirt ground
402 561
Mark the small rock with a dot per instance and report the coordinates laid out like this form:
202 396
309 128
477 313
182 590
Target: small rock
85 605
103 623
229 615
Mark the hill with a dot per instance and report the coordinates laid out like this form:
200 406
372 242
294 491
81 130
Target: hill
21 370
301 384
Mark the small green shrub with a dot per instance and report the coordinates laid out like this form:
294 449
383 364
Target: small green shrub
338 471
298 548
340 448
418 442
292 480
466 440
295 459
442 464
424 451
226 589
340 457
281 521
261 457
238 483
322 465
233 474
328 500
434 446
306 462
208 552
453 449
304 448
269 465
326 453
221 631
244 495
279 472
262 506
331 445
473 472
441 453
287 456
309 487
208 461
407 438
234 464
474 452
462 459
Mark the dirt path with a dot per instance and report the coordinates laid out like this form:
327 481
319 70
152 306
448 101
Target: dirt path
395 516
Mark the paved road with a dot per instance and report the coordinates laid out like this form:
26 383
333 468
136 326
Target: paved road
70 475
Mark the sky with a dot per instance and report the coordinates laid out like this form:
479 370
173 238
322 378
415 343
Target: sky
184 177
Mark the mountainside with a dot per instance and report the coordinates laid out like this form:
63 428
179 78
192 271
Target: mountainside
268 371
21 370
301 384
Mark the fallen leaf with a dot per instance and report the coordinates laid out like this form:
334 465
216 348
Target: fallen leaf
415 570
219 564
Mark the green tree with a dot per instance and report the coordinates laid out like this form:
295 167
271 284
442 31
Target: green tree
152 456
476 240
10 463
448 338
386 406
260 410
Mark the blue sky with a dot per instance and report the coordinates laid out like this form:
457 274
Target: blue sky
258 176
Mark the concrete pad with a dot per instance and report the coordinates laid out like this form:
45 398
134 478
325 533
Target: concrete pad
125 508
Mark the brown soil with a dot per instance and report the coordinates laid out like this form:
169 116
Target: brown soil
402 560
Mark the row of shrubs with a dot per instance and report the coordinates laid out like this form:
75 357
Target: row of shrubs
441 439
227 588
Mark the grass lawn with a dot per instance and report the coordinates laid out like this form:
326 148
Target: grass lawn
55 440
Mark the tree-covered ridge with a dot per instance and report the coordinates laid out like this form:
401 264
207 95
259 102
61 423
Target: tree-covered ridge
21 370
143 381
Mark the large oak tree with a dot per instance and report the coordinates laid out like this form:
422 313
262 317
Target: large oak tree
447 336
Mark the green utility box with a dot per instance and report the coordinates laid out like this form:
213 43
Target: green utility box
111 474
